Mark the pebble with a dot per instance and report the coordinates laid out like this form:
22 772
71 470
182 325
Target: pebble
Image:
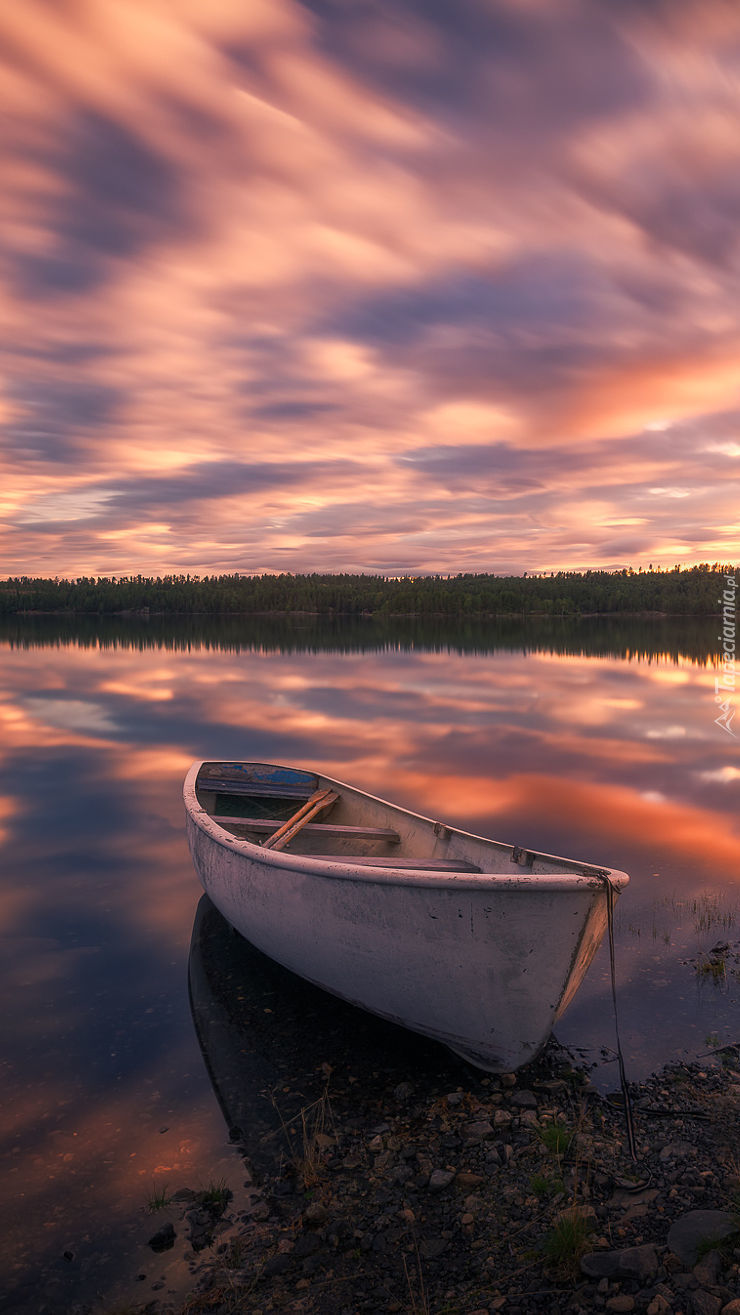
705 1303
439 1179
478 1242
523 1099
659 1306
478 1132
163 1239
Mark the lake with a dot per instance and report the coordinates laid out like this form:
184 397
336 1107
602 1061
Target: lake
594 739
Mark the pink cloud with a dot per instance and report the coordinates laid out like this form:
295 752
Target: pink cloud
274 236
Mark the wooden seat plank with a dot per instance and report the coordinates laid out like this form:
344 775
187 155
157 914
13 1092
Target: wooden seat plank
312 828
263 789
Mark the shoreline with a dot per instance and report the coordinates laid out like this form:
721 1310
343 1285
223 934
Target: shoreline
514 1193
143 613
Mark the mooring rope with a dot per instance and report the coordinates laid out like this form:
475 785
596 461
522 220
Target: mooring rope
627 1099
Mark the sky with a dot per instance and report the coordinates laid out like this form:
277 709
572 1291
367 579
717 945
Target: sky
392 286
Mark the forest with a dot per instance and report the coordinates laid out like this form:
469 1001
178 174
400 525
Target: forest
692 591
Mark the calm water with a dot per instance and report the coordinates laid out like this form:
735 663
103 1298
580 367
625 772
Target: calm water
594 740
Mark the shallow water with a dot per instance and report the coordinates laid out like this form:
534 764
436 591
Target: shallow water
595 740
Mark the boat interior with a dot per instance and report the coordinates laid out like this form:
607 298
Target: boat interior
286 809
301 813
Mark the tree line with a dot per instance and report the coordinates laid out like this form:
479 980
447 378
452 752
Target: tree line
691 591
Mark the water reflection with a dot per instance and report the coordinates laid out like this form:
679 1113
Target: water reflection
271 1042
607 636
593 742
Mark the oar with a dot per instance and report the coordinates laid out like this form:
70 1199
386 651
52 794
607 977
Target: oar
320 800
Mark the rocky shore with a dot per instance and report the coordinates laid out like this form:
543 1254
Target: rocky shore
512 1193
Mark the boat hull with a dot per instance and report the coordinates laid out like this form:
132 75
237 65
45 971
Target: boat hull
483 963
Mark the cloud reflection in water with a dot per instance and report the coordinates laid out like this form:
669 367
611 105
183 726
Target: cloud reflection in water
571 752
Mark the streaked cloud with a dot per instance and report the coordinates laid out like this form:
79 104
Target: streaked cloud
313 286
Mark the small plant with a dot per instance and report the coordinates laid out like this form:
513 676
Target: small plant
567 1241
308 1161
158 1200
216 1194
556 1138
543 1186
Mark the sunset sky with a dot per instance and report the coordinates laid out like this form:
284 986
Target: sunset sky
369 285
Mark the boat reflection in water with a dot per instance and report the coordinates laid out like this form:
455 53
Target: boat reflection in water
271 1042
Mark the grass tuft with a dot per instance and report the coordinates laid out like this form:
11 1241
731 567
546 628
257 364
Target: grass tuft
543 1186
308 1157
158 1200
567 1241
216 1194
556 1138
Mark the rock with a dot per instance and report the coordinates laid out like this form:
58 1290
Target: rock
524 1100
478 1132
624 1198
677 1150
201 1228
640 1262
732 1307
659 1306
454 1098
315 1214
704 1303
631 1262
508 1079
402 1173
439 1179
502 1118
621 1303
708 1269
403 1092
164 1238
634 1212
690 1234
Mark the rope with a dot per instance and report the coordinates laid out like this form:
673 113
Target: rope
628 1116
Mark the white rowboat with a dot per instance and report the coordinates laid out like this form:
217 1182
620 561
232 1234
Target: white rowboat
478 944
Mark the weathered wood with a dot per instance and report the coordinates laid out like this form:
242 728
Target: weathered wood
316 804
263 789
420 864
314 828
